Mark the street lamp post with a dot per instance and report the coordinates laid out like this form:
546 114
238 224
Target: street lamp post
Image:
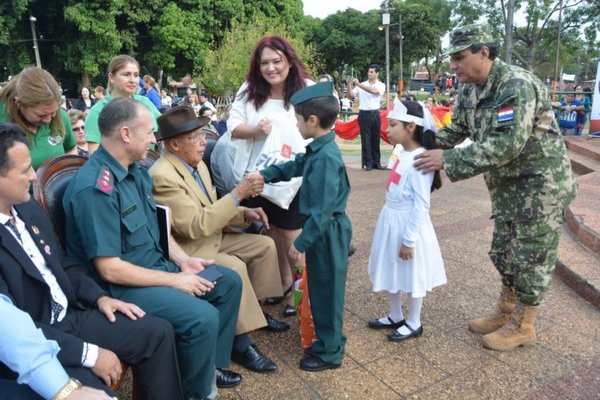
38 62
387 53
385 21
400 44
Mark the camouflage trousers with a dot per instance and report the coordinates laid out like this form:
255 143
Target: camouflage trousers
524 253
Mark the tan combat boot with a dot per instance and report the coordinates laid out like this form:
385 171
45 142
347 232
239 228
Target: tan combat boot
520 331
506 305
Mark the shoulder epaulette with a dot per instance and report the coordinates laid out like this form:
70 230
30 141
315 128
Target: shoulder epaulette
105 181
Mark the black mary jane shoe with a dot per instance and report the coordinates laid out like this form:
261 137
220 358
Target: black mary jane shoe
313 363
289 311
377 324
274 325
254 360
227 379
395 336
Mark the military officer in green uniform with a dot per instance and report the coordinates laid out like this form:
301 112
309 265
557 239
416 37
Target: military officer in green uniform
111 226
327 231
506 111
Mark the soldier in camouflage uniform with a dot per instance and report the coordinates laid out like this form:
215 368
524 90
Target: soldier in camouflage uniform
518 147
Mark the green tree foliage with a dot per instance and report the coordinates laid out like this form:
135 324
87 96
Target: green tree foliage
226 67
348 40
79 37
535 40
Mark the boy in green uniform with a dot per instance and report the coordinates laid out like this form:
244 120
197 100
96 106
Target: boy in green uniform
327 231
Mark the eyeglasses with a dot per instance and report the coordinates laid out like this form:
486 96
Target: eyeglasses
197 137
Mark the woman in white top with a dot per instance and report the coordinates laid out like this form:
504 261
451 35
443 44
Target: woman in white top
261 106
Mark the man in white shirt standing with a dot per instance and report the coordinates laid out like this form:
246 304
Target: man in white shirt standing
369 98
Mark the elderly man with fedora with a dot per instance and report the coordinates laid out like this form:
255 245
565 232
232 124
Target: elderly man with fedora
201 224
112 226
517 145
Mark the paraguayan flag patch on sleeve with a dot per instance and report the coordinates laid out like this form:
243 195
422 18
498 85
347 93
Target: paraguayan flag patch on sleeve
505 114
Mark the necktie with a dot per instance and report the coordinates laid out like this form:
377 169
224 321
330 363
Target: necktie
11 225
196 176
56 309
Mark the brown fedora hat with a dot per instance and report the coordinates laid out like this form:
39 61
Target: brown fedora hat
179 120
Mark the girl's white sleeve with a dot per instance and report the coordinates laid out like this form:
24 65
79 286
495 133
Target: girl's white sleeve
420 186
238 114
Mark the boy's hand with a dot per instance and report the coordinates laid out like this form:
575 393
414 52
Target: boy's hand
295 255
406 253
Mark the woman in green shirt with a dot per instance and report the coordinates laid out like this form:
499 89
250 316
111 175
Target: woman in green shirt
123 77
31 99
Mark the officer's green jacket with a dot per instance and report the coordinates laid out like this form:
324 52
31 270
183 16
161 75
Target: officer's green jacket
517 145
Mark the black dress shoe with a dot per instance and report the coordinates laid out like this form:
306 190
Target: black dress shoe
368 168
394 336
289 311
379 166
376 324
274 325
254 360
271 301
313 363
227 379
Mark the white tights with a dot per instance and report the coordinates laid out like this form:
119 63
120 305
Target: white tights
415 305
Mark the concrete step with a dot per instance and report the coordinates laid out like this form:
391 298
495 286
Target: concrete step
578 267
581 145
583 164
583 216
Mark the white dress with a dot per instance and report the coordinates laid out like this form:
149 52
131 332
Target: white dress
404 220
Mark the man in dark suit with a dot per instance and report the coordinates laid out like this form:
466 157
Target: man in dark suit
64 302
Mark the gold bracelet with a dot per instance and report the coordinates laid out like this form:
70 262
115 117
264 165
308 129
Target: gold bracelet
71 386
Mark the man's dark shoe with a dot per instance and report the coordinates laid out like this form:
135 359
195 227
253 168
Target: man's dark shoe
379 166
274 325
314 364
389 324
289 311
227 379
254 360
368 167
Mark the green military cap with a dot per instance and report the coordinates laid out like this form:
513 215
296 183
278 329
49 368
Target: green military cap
321 89
464 36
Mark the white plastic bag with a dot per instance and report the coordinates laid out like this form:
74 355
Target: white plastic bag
281 146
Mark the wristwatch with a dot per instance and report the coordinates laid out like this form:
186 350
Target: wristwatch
71 386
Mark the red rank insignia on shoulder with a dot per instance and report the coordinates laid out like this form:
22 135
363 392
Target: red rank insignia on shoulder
104 182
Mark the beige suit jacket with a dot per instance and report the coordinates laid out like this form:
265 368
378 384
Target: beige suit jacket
197 220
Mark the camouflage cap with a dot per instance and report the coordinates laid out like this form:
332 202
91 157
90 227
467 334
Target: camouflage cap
464 36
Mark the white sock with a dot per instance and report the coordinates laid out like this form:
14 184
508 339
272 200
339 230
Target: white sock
395 301
414 315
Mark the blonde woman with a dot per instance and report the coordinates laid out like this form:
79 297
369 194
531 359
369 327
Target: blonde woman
32 101
77 118
123 74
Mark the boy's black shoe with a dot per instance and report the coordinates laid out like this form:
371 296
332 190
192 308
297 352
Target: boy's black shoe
313 363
